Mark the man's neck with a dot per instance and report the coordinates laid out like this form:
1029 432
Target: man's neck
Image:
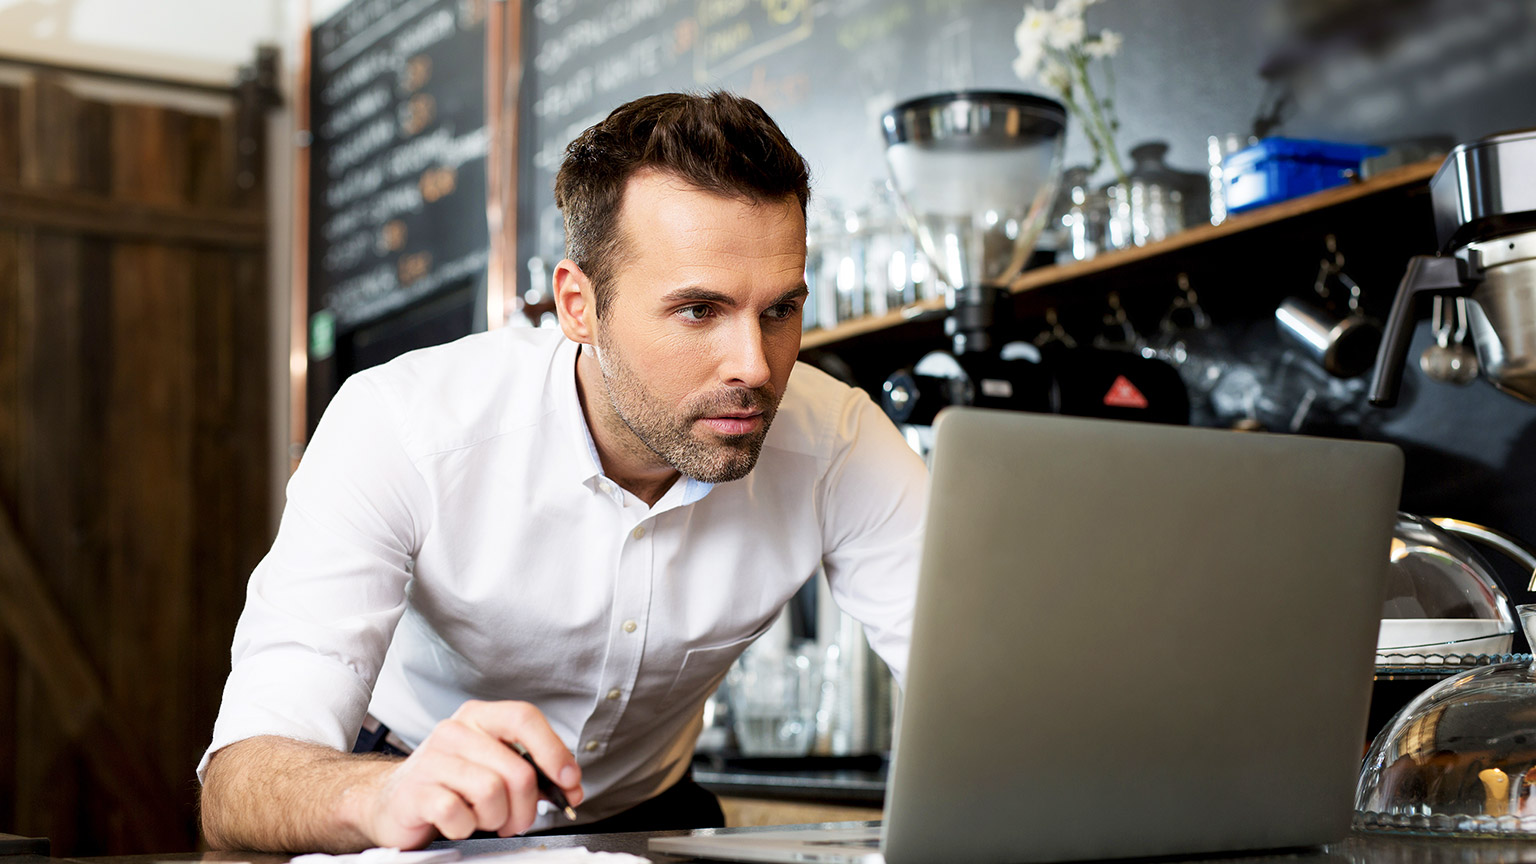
624 458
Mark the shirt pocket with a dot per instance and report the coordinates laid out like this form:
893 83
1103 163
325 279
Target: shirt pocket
703 668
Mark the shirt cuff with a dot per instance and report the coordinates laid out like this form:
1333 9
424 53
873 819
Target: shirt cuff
292 693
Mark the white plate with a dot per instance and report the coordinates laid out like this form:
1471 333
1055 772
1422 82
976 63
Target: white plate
1420 636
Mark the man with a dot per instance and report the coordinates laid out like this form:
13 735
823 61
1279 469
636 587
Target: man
564 539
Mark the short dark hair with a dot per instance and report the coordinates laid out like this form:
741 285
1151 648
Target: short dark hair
716 142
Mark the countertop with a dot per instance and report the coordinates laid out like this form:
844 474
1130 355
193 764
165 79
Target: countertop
1356 849
855 780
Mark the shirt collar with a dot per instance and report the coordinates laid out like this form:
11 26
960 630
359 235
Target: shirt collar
586 465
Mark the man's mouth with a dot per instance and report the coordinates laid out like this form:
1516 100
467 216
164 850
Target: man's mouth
734 422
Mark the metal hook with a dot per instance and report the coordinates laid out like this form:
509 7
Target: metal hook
1056 333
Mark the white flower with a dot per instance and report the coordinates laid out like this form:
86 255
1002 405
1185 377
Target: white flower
1028 62
1070 8
1106 45
1031 31
1066 33
1057 77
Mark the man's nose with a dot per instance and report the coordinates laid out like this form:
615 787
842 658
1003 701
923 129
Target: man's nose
745 358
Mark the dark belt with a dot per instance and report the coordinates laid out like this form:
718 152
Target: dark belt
684 805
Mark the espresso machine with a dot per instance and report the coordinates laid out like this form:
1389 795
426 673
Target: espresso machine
1484 200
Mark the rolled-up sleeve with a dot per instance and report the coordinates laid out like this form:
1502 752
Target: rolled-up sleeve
322 606
874 501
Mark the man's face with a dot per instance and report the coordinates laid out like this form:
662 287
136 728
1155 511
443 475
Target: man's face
703 328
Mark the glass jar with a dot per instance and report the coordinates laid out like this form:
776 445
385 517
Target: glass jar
1149 206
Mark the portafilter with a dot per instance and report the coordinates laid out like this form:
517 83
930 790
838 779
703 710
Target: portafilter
976 173
1484 200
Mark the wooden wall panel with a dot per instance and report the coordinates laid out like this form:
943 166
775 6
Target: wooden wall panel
133 465
49 379
10 466
49 156
149 431
10 149
10 360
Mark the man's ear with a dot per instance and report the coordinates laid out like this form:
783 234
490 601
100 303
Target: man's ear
575 303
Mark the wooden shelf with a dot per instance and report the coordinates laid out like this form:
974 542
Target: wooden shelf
1394 179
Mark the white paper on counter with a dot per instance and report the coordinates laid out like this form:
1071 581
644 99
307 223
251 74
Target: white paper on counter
537 855
382 855
559 855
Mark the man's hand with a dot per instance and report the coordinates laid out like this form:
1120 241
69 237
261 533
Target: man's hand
464 778
277 794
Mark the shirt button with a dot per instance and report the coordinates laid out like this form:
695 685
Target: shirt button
606 489
638 532
590 746
614 694
630 625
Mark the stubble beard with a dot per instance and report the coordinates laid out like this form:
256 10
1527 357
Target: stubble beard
671 437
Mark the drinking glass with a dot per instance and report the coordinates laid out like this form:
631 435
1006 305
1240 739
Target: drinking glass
774 696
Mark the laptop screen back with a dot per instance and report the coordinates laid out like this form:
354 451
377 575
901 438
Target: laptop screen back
1137 640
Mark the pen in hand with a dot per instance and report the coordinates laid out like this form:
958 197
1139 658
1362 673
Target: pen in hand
546 786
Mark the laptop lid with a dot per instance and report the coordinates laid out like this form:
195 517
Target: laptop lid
1137 640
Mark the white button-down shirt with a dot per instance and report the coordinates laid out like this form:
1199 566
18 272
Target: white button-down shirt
450 535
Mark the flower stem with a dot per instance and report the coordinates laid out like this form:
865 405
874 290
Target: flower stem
1088 129
1106 135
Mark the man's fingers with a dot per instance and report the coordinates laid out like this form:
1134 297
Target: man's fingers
447 811
519 721
486 793
514 777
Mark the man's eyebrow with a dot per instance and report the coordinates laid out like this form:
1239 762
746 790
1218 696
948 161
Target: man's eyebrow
794 294
697 294
693 293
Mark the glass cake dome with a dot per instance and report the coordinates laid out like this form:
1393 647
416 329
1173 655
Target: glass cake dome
1460 759
1442 602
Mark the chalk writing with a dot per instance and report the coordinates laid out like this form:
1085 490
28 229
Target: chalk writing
712 12
734 35
414 266
424 33
382 22
416 73
417 114
355 77
378 291
362 144
565 96
644 59
719 43
368 103
358 183
616 19
858 32
438 183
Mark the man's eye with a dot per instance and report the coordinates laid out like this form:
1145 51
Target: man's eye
696 313
783 310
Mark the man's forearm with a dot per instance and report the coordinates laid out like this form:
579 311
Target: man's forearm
281 795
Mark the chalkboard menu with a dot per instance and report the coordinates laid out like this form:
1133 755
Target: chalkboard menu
397 174
397 161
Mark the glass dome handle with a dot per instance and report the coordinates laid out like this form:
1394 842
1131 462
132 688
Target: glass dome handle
1497 539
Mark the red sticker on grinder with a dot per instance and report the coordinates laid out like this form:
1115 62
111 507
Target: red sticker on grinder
1123 394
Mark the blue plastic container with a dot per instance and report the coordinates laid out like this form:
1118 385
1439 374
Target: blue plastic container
1279 169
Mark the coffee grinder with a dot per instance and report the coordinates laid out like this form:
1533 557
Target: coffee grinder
976 174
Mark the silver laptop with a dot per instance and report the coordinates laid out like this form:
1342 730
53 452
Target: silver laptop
1130 640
